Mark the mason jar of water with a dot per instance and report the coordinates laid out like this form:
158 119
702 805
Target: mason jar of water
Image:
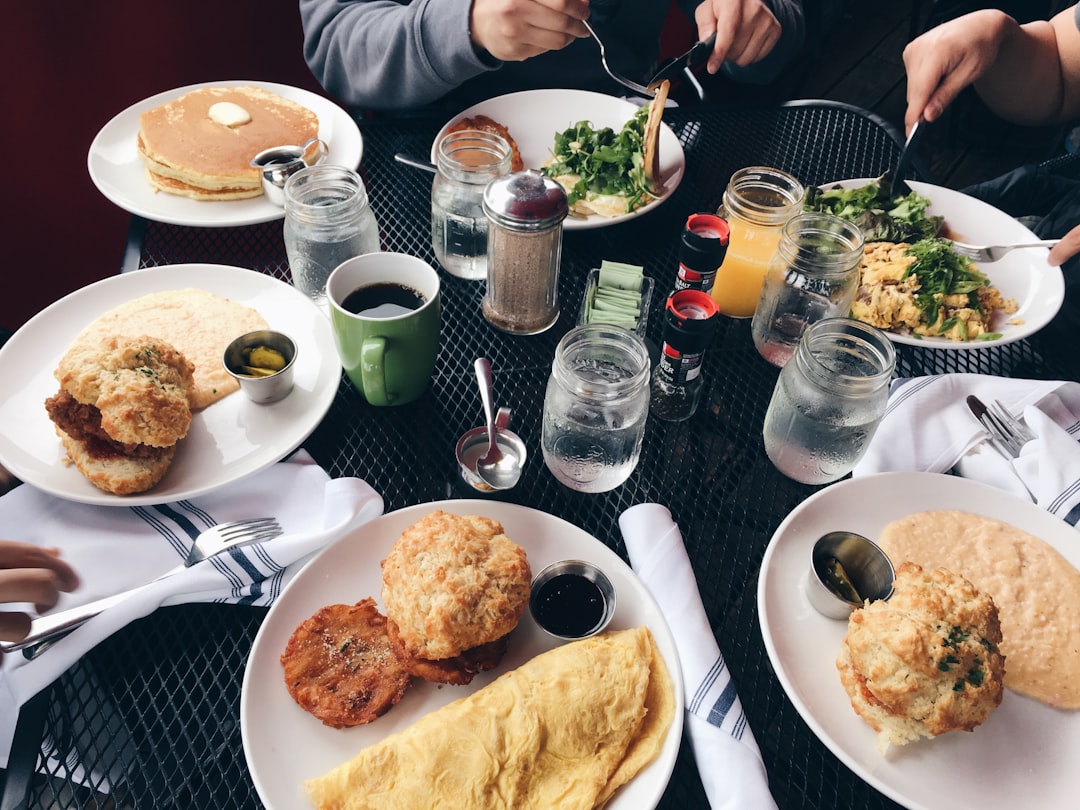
813 275
327 220
829 400
467 160
595 407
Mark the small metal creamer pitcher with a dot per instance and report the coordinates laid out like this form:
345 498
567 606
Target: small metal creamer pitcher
279 163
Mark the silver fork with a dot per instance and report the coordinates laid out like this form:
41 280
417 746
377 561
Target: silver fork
1015 432
210 543
640 89
991 253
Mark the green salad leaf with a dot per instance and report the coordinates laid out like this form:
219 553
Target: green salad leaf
902 218
608 162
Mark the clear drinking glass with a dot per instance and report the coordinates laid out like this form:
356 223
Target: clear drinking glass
829 400
814 274
595 407
467 161
327 220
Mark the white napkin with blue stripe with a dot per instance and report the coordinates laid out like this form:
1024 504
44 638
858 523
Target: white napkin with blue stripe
727 755
928 427
116 548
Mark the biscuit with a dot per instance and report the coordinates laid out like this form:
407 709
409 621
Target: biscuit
454 582
926 661
139 384
119 475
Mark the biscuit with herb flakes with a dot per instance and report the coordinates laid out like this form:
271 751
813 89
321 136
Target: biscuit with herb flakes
926 661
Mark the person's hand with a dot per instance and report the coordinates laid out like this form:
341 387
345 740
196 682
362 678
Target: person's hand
946 59
746 31
1064 250
515 30
29 573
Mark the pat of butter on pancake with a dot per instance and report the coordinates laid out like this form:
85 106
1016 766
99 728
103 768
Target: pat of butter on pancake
228 114
566 729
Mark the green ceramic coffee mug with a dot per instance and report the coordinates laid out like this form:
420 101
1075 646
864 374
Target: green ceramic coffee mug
385 310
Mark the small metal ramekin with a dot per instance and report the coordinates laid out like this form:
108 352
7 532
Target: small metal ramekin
866 566
273 387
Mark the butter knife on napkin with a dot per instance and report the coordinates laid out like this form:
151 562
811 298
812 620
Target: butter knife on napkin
727 755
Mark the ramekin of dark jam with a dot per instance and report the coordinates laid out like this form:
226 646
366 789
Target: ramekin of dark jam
572 599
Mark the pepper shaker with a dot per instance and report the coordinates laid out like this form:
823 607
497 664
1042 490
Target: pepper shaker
525 212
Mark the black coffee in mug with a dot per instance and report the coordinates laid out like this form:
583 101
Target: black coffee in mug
383 299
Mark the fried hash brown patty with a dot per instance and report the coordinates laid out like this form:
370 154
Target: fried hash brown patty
454 582
341 667
458 670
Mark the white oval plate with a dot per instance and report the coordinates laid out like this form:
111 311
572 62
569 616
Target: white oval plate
534 117
119 174
1038 288
1022 756
285 745
228 440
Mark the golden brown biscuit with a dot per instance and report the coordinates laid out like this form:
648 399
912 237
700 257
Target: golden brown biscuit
340 666
454 582
115 473
139 384
121 408
926 661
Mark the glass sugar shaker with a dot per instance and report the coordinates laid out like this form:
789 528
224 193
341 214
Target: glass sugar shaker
595 407
525 212
327 220
467 161
829 400
758 202
814 274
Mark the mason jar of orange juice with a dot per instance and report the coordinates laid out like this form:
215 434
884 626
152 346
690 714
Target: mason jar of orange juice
758 202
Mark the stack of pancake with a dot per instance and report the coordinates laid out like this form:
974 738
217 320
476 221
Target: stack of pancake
200 145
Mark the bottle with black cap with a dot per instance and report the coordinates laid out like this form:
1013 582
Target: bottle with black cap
701 252
690 318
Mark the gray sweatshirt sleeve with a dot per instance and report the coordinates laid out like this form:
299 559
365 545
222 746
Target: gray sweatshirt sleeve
387 55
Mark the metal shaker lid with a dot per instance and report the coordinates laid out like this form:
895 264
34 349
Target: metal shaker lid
525 201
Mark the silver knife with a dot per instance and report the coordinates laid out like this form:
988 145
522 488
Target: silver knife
978 408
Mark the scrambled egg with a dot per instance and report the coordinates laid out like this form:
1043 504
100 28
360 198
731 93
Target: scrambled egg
887 300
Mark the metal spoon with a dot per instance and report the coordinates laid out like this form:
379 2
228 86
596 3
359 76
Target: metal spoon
498 469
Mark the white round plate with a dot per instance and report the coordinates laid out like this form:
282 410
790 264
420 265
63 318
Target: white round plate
534 117
285 745
118 172
1024 275
1023 754
230 439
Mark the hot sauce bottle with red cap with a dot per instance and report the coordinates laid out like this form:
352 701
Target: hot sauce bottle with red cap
690 318
701 252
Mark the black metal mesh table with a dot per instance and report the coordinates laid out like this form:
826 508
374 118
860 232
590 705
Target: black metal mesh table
152 713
